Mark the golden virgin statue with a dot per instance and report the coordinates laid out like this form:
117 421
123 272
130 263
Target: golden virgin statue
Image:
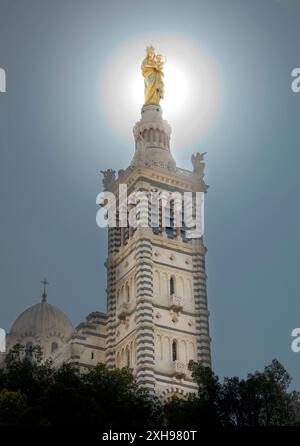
152 69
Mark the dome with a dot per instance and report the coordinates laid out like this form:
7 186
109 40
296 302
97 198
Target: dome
41 320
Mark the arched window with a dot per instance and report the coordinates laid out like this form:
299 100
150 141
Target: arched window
127 357
161 217
127 292
132 353
172 285
54 346
174 350
28 350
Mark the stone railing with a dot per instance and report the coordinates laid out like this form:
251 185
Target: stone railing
176 302
123 310
180 369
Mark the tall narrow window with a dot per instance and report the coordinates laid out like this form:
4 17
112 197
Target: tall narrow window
170 218
174 350
28 350
127 292
127 358
54 346
161 217
172 285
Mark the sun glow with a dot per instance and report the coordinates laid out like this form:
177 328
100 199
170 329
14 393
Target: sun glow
191 96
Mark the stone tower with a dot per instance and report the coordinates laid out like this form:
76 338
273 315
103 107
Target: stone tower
156 279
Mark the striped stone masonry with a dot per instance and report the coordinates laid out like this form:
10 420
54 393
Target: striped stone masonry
111 302
145 353
200 295
153 326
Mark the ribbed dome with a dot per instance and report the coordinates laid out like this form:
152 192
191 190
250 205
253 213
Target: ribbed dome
42 319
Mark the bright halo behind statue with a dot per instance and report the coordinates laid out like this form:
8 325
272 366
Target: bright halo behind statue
191 88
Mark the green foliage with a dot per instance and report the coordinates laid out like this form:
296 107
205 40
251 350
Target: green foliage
65 396
262 399
33 392
201 410
13 407
109 389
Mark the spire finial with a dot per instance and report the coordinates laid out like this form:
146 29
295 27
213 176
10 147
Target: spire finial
44 295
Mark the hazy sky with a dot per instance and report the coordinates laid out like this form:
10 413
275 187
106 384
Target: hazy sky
54 140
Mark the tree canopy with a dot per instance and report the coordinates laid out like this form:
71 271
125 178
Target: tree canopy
262 399
34 392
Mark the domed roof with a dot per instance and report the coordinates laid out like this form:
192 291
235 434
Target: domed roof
42 319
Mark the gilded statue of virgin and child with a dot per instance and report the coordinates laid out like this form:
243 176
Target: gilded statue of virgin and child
152 69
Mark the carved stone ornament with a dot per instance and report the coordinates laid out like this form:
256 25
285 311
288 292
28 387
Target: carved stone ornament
109 176
198 164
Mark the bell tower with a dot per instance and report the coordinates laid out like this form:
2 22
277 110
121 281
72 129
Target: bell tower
158 318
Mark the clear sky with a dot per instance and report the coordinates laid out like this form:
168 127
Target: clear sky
54 140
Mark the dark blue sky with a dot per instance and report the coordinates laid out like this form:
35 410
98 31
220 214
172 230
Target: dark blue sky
54 141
